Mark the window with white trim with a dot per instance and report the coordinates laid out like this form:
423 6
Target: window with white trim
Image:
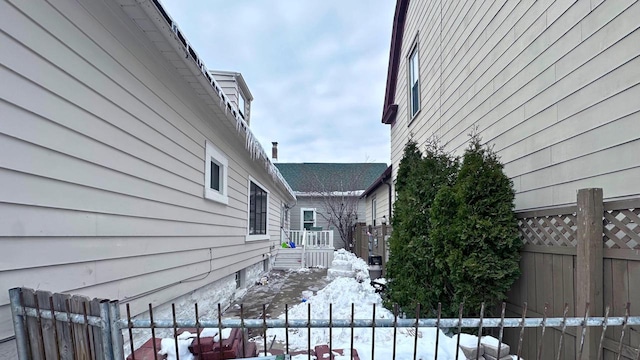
414 81
307 218
215 182
258 211
374 204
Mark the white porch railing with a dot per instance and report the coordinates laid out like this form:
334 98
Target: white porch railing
314 239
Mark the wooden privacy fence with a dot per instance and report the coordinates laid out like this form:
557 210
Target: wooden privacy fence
372 240
573 255
61 326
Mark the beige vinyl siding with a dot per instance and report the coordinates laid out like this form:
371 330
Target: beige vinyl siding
102 170
553 85
382 204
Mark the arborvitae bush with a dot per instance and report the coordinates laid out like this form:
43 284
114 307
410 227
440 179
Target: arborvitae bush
412 277
474 235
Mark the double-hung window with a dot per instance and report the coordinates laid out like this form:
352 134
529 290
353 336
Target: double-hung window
414 82
215 183
258 208
308 218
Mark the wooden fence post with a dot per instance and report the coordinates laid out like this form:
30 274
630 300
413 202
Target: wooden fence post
589 267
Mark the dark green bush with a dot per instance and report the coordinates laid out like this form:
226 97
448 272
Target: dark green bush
454 234
409 266
475 233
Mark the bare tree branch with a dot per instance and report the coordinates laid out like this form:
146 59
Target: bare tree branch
339 195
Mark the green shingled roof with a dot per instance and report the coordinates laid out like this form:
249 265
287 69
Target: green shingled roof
305 177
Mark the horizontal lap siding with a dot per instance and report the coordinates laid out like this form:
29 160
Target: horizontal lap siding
551 84
381 195
103 163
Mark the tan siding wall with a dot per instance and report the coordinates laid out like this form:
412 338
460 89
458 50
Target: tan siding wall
551 84
103 163
382 205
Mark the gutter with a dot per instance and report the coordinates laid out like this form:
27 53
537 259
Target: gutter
170 31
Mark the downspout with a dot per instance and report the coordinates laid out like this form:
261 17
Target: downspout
389 185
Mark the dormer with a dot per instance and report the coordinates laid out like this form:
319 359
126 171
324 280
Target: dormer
236 89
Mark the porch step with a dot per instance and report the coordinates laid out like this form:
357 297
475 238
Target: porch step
288 259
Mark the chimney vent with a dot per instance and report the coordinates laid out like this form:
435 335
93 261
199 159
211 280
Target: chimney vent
274 151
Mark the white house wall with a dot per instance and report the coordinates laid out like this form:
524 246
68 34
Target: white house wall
102 166
553 85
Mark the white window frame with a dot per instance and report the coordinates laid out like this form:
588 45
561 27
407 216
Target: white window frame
374 211
256 237
414 78
213 154
315 217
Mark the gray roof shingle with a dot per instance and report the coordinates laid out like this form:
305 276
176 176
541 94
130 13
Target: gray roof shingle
308 177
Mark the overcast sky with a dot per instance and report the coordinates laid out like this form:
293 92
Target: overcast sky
316 69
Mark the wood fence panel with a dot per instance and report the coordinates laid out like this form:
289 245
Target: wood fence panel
529 261
80 331
64 329
33 328
568 280
620 295
96 333
48 335
541 288
634 298
607 296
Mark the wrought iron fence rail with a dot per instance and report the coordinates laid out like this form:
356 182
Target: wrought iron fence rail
37 323
382 323
597 321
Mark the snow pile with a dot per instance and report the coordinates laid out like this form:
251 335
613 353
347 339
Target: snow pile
346 264
342 292
168 348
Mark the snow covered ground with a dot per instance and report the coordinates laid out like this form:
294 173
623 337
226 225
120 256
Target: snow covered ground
342 292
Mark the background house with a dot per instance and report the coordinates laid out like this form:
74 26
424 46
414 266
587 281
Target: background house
378 200
126 171
319 187
552 85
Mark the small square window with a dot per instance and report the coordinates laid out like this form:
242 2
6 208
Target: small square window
238 279
215 175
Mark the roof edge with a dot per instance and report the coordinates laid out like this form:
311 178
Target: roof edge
172 33
379 181
394 60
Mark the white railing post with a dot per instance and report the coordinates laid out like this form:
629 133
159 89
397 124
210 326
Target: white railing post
331 238
304 247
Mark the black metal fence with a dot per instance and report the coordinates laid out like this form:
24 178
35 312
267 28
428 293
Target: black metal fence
73 331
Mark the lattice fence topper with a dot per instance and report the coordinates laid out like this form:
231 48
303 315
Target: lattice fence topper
622 229
552 230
